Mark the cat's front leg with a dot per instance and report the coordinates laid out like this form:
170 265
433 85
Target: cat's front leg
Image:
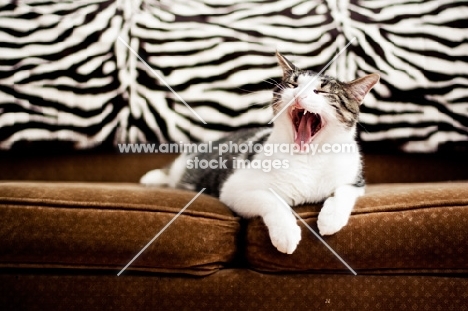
284 232
337 209
282 226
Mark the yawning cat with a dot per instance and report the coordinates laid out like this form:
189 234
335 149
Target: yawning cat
310 110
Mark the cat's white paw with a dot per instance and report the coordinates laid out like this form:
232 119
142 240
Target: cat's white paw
284 232
330 219
154 177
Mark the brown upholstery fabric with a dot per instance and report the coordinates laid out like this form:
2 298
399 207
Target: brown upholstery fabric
80 166
104 226
232 289
394 228
414 168
109 167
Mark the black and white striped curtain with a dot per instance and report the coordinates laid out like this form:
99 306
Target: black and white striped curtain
66 73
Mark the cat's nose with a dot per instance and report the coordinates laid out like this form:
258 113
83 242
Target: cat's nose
299 100
297 103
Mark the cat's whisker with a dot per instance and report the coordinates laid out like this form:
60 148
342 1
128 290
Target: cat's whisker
275 84
272 82
250 93
266 107
244 90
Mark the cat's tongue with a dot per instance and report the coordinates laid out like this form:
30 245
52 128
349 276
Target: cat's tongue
304 130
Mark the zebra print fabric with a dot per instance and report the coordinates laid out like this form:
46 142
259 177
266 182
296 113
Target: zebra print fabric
65 75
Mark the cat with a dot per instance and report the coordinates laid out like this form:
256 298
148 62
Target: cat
309 110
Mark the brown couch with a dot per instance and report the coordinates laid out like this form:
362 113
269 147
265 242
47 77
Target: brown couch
70 222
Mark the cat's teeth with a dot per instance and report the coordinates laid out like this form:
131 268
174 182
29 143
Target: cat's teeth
305 111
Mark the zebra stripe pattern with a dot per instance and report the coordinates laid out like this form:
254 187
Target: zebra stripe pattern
64 74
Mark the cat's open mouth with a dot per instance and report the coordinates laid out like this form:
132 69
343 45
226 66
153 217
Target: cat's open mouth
306 125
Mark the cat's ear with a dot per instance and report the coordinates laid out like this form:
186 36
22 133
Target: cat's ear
286 65
360 87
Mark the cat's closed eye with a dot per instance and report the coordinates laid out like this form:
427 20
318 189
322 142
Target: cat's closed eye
291 85
319 92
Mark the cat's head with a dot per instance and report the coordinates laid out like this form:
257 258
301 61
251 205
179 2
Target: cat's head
316 105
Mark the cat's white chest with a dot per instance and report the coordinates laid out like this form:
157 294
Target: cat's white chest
312 178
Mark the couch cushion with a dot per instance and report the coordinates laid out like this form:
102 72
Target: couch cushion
103 226
394 228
